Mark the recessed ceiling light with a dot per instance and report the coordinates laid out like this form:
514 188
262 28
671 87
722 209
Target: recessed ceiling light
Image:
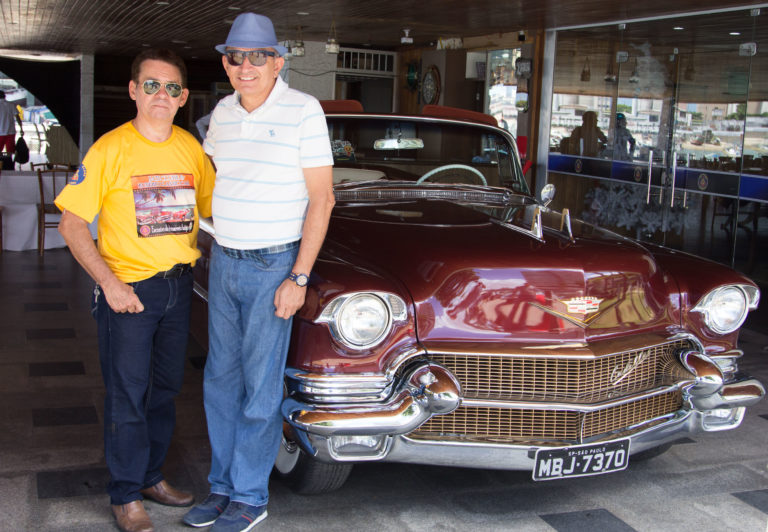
735 33
176 41
162 2
234 8
678 28
145 44
302 13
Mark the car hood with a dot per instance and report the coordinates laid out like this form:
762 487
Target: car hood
471 278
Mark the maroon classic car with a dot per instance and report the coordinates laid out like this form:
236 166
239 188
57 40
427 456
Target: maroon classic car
453 319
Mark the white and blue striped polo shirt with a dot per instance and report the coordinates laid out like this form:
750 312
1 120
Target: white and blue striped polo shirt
260 198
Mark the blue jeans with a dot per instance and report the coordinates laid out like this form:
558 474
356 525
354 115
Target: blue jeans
142 362
243 385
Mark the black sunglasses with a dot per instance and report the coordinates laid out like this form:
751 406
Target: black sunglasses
255 57
151 86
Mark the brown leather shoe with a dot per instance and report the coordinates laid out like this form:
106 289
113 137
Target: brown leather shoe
164 493
132 517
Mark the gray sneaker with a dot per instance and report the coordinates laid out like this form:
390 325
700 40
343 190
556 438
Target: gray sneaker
240 517
206 512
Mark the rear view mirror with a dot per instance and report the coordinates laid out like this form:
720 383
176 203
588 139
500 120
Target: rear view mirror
398 144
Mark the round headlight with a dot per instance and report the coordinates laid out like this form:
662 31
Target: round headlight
725 309
363 319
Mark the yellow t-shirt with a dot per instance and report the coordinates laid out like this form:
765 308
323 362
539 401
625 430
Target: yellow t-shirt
148 196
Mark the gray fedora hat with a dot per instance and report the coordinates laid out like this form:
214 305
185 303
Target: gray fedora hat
250 30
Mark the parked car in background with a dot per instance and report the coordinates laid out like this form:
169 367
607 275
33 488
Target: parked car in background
453 319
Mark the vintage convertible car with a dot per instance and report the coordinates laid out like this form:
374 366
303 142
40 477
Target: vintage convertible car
453 319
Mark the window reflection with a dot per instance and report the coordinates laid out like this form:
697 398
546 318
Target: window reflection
695 101
503 88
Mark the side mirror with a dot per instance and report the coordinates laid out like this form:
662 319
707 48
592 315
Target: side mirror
547 194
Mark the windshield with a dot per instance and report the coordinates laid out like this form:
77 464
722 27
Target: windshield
410 149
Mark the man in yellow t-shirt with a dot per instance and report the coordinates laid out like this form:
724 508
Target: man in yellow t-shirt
149 181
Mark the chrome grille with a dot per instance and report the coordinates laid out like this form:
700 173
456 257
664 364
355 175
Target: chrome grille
593 380
511 425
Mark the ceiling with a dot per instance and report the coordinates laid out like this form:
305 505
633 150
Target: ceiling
193 27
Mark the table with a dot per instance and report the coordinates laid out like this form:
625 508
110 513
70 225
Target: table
19 194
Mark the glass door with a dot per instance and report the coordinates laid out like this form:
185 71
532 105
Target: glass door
702 202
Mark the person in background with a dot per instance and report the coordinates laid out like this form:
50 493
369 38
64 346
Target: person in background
623 139
202 125
131 177
271 207
9 116
587 140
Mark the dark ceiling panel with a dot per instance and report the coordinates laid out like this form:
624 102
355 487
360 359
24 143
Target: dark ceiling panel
192 27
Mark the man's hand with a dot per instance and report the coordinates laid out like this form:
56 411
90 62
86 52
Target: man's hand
121 298
289 297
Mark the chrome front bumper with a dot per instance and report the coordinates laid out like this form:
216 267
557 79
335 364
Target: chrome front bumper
375 429
401 449
426 390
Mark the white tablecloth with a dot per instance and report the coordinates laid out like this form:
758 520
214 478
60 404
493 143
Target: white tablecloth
19 194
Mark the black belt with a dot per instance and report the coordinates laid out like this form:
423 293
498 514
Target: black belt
174 273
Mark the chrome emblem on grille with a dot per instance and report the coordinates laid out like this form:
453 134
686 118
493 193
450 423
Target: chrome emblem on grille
619 372
582 305
577 305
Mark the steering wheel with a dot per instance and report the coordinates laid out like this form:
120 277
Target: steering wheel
447 167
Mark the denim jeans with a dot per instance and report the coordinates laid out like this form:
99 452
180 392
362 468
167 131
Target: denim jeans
142 362
243 385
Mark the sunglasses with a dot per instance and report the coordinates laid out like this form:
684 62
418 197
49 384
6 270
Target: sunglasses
255 57
151 86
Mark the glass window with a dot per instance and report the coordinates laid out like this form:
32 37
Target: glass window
503 97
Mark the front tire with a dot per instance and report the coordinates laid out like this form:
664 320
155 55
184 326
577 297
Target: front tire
305 475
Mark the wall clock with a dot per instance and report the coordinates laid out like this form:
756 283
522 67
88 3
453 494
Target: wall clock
430 86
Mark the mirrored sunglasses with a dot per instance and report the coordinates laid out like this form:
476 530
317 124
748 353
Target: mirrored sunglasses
151 86
255 57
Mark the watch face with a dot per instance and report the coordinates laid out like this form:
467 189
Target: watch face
430 86
301 279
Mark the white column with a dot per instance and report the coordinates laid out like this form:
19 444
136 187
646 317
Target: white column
86 103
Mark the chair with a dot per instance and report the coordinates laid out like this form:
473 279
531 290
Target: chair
51 181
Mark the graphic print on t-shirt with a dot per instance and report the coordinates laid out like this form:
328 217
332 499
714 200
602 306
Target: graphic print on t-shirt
165 204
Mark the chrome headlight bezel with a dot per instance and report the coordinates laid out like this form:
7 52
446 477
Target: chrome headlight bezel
334 314
711 306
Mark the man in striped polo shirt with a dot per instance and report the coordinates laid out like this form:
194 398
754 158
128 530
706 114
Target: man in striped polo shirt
271 206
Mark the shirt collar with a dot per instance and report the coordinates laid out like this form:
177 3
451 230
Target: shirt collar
277 91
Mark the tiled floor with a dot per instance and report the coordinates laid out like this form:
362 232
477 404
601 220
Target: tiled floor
52 474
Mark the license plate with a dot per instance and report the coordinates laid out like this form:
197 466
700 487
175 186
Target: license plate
581 460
